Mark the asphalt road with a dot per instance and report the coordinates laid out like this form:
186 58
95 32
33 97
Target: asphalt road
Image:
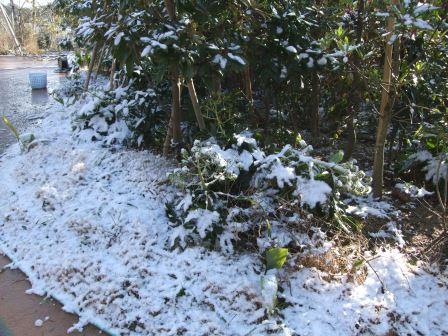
21 105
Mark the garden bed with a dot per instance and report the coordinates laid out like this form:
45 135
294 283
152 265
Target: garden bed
88 226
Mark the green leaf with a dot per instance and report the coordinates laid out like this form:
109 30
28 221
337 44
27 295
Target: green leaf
431 143
358 263
180 293
337 157
340 31
268 227
11 127
275 257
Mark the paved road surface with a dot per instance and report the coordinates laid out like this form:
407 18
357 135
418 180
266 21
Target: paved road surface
24 107
21 105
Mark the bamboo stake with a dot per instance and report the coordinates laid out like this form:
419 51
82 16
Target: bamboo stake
195 102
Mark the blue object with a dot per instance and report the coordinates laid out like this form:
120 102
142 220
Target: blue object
38 80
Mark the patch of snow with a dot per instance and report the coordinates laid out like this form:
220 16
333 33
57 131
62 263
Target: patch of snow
391 231
368 207
322 60
236 58
312 192
219 59
283 175
310 63
117 39
269 288
423 7
431 166
416 22
408 303
204 220
396 233
412 190
291 49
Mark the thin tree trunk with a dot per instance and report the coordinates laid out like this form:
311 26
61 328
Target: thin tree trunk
386 106
33 6
11 29
100 59
171 9
355 92
216 85
314 105
112 75
92 62
174 133
13 14
195 102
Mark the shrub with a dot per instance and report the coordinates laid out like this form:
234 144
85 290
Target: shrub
123 116
70 90
231 190
428 155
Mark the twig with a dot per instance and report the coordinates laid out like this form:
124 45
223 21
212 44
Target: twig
383 287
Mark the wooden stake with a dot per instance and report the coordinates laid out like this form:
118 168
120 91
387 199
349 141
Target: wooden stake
195 102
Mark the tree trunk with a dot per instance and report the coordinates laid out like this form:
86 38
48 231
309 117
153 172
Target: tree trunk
112 75
390 70
314 105
11 29
13 14
216 85
100 60
195 102
355 95
171 9
92 62
174 131
33 6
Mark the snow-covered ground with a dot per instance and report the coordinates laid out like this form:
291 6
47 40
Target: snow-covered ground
87 224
